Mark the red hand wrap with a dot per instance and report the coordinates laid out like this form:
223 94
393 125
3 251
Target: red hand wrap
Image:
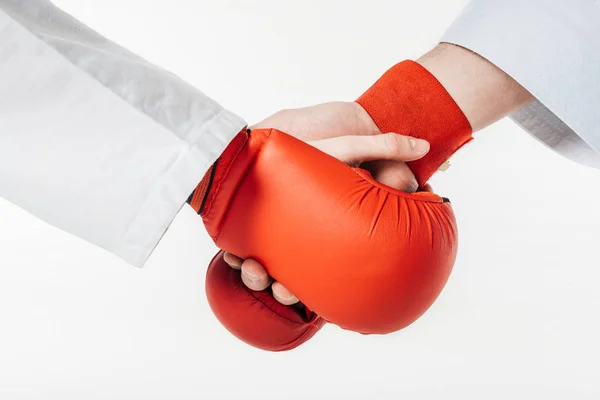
409 100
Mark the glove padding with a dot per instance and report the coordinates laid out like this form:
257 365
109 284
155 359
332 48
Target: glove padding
397 249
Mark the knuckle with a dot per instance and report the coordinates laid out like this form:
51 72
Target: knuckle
347 151
395 143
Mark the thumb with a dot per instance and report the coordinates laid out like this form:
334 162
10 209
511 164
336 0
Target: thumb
354 150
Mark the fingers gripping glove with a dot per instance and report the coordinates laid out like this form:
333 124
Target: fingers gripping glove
361 255
256 317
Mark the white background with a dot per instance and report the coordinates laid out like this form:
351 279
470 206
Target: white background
519 318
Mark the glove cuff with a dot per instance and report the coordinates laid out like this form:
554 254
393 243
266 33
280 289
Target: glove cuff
409 100
211 197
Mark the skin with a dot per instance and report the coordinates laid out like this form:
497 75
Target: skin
483 92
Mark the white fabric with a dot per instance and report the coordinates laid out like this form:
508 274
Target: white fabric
552 48
95 140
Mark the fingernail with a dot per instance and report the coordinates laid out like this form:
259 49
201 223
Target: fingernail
252 277
287 298
420 146
233 261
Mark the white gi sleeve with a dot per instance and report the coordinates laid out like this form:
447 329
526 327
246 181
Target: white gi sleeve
95 140
552 48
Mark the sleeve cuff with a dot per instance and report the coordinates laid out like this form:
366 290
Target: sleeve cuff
550 48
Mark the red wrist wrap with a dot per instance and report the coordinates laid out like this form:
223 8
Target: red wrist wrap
409 100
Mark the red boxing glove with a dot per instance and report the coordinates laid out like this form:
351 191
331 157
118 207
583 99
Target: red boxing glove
268 199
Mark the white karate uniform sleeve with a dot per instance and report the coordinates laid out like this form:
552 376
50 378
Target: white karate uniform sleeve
552 48
95 140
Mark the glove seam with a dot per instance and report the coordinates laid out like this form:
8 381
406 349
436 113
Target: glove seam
217 185
313 328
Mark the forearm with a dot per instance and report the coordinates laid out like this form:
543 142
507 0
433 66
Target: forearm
483 92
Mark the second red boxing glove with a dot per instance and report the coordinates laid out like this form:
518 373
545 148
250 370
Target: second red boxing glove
409 100
256 317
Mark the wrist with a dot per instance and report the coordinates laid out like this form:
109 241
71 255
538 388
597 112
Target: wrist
482 91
